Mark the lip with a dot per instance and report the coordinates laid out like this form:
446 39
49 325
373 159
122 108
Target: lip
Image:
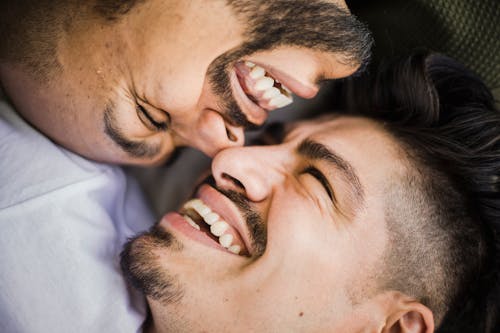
296 87
254 113
223 206
175 221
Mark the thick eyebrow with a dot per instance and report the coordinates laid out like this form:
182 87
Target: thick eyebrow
133 148
317 151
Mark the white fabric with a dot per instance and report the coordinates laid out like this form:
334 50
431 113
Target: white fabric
63 221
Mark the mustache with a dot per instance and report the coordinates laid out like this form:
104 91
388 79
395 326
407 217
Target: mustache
218 75
253 219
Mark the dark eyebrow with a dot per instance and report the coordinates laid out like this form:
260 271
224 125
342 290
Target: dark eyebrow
317 151
133 148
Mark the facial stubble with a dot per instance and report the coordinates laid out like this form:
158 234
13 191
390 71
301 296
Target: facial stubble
141 260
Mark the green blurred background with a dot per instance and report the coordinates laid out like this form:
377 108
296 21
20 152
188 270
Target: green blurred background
467 30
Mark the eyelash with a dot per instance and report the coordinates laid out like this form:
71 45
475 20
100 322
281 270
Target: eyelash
158 126
320 178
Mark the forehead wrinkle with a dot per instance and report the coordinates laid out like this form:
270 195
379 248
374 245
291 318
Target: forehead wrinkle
318 151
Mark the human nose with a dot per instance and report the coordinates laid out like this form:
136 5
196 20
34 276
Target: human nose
213 134
253 171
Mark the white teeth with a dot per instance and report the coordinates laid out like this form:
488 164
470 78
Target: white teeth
280 101
271 92
249 64
218 228
198 206
235 249
279 97
257 72
191 222
211 218
226 240
264 83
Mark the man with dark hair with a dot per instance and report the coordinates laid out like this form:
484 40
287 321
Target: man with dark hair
128 82
385 220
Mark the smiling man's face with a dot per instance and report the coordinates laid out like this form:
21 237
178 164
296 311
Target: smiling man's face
176 73
307 220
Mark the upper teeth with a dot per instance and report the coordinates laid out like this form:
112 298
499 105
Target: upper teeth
218 227
250 64
278 97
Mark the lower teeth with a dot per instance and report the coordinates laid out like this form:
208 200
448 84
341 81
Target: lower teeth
191 216
211 225
191 222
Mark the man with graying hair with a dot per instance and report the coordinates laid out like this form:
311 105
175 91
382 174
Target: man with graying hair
380 220
128 82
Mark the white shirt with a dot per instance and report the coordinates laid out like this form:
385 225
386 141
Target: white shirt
63 221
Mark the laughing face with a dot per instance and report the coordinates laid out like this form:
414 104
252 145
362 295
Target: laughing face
184 73
288 238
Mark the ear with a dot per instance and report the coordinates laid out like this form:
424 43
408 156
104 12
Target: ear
413 317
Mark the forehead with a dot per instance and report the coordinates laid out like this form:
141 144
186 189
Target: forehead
336 129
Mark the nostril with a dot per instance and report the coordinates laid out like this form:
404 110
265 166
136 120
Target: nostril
233 180
231 136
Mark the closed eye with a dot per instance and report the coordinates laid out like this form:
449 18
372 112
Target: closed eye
322 180
149 121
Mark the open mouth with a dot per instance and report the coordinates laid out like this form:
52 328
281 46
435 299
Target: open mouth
261 87
203 219
259 92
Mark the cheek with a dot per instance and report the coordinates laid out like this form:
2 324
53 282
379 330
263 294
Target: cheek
181 87
298 226
309 246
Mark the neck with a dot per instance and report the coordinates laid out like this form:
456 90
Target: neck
148 326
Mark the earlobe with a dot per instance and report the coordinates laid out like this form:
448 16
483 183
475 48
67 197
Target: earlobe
417 318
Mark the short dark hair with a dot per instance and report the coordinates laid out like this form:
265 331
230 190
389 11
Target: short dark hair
443 214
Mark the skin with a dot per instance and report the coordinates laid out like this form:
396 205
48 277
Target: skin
156 56
317 272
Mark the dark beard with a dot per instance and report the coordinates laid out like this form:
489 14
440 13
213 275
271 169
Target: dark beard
141 266
313 24
255 223
253 220
218 76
